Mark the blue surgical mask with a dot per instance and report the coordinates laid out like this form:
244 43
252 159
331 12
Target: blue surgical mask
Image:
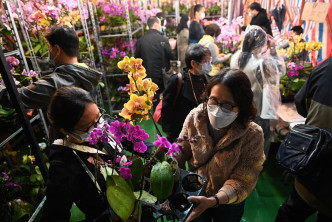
215 39
206 68
251 15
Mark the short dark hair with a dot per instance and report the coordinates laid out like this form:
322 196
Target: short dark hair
240 87
67 107
255 6
64 37
151 21
197 53
213 30
298 29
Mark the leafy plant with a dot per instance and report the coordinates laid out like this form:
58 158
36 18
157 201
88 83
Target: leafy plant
295 77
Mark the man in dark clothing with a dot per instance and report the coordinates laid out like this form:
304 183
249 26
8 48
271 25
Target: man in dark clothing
156 53
259 17
64 47
314 102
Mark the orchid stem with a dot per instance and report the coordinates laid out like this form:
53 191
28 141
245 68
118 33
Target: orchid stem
150 114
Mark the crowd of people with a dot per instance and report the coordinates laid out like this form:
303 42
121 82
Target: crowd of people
230 109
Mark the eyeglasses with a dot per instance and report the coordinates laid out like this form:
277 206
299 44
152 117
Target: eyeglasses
99 121
224 106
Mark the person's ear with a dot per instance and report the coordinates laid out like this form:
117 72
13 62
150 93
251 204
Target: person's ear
193 64
58 49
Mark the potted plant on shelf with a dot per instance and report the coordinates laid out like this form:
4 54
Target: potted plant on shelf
298 70
144 177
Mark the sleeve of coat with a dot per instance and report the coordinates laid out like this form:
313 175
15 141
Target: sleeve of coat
301 99
185 152
245 174
168 51
168 99
36 95
138 52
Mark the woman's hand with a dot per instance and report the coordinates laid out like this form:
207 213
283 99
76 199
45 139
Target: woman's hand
202 203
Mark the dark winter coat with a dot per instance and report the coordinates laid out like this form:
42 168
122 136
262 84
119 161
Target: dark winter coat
173 116
69 183
261 20
39 94
150 48
314 102
196 32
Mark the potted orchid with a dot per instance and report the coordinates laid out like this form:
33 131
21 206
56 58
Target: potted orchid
229 39
127 174
295 77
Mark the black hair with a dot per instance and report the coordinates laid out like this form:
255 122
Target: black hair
255 6
64 37
250 41
298 29
194 9
197 53
240 87
183 23
67 107
151 21
213 30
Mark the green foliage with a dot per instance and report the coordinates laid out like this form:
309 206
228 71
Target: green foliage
120 196
146 197
137 172
162 180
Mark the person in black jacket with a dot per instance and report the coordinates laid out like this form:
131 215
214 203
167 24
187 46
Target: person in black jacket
259 17
308 196
156 53
73 112
195 78
196 31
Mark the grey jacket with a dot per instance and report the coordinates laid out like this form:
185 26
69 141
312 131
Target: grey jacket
39 94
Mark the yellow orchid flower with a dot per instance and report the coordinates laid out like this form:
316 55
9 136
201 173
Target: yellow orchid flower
25 159
124 64
136 104
125 113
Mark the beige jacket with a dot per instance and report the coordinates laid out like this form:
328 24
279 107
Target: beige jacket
183 39
233 165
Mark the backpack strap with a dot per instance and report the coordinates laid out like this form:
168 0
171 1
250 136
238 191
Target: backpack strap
178 89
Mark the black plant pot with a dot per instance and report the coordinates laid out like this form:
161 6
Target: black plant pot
287 99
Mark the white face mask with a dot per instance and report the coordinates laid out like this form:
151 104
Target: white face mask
218 118
251 15
85 135
202 16
206 68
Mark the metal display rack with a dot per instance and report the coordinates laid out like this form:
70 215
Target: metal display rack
12 90
129 34
88 40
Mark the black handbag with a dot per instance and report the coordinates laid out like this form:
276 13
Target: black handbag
306 151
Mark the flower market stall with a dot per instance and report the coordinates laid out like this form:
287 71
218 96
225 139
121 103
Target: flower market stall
108 31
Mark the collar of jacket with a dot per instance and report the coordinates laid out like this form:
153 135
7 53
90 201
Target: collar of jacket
85 74
153 31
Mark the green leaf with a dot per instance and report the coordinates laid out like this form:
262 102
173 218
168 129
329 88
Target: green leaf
149 198
120 196
33 178
37 48
297 84
137 172
102 85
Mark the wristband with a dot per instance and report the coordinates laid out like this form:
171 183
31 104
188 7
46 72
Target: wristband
217 200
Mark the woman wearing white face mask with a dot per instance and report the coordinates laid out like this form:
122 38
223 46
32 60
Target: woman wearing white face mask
196 31
229 152
73 112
